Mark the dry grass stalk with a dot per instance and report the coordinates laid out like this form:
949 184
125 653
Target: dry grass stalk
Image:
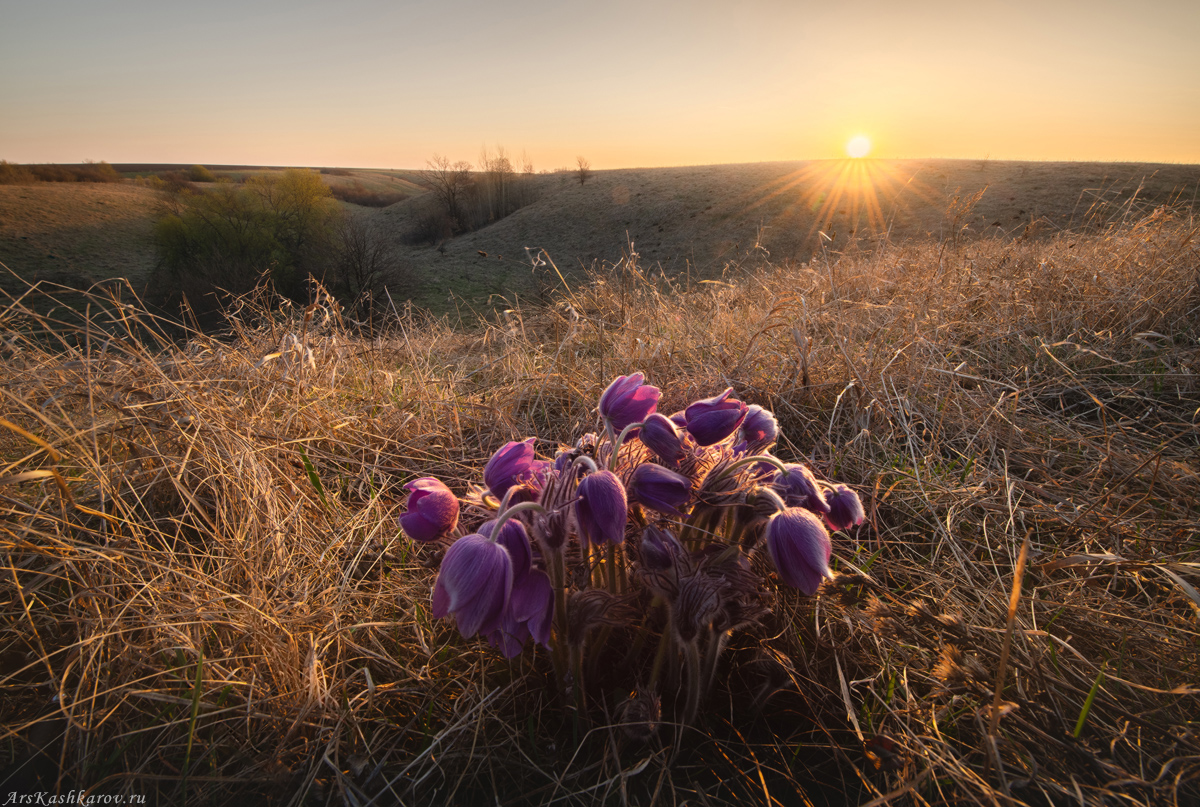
224 536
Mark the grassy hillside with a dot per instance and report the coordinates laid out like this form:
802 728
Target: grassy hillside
206 594
696 220
691 222
75 234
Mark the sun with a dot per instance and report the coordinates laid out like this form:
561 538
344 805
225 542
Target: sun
859 146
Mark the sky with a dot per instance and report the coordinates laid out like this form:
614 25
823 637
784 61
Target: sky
364 83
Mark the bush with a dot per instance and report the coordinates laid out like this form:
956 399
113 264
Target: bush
277 227
14 174
198 173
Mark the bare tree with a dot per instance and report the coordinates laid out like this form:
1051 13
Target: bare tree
367 264
584 170
449 183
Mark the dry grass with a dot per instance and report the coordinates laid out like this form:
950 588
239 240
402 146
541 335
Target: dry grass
205 594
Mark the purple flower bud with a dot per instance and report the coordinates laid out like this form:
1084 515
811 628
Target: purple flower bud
515 539
601 508
627 400
799 488
474 584
713 419
679 419
660 489
511 465
845 508
661 435
800 548
432 510
659 549
759 429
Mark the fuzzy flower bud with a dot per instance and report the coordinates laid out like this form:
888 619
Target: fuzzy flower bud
627 400
659 549
800 548
660 434
660 489
511 465
601 508
759 429
432 510
711 420
515 539
473 584
845 508
799 488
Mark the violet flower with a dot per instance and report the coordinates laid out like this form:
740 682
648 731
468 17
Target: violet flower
845 508
529 614
432 510
759 429
660 489
473 584
627 400
659 549
515 539
512 465
800 548
601 508
799 488
711 420
660 434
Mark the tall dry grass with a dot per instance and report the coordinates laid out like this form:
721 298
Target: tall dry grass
205 595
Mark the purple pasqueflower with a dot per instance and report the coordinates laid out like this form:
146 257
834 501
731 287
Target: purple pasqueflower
799 488
515 539
473 584
759 429
660 434
845 508
679 419
432 510
659 549
800 548
660 489
529 614
601 508
627 400
512 465
713 419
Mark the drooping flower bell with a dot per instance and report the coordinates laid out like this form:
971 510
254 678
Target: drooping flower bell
660 434
512 465
601 508
660 489
759 430
799 488
627 400
515 539
529 614
432 510
800 548
711 420
845 508
473 584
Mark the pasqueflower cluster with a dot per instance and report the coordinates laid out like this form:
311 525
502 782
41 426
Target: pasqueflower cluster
647 528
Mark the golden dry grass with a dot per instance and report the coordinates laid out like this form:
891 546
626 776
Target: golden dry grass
205 594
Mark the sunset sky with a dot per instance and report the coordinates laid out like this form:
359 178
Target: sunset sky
365 83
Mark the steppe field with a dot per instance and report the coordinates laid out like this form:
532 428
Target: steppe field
206 596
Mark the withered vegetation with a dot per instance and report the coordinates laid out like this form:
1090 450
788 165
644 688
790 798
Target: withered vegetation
205 593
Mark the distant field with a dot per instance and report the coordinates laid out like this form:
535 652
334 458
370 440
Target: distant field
690 221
